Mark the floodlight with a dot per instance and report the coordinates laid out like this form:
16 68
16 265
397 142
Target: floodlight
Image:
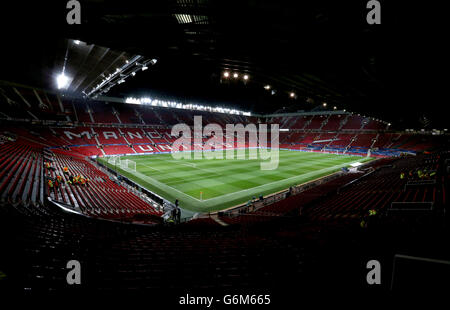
62 81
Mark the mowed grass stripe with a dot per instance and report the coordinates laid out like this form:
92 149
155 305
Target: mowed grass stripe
167 165
252 177
228 182
251 167
245 177
238 167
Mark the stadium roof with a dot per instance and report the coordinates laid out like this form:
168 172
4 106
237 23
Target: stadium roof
319 50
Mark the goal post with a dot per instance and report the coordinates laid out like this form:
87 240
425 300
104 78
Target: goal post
131 165
125 164
112 160
128 164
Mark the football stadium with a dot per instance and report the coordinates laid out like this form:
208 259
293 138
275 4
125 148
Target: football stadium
221 153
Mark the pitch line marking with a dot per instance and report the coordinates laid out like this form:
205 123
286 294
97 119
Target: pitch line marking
154 181
244 190
191 165
306 164
279 181
151 167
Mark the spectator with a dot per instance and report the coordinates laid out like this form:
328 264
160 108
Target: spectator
56 184
59 179
419 174
363 223
178 215
174 214
288 194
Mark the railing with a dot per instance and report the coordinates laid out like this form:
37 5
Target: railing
356 180
255 205
411 206
133 185
420 183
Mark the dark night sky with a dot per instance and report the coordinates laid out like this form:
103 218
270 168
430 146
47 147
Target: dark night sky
394 72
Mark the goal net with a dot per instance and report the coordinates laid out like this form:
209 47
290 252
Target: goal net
127 164
112 160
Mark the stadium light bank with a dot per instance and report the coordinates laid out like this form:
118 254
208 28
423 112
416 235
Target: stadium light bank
178 105
190 145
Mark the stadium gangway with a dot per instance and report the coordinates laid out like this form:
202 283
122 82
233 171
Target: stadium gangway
397 206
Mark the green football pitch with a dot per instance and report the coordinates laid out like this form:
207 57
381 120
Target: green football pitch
207 185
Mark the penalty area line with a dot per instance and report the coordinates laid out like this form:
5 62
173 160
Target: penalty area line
158 183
